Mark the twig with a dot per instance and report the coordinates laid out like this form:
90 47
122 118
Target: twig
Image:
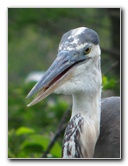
60 129
110 67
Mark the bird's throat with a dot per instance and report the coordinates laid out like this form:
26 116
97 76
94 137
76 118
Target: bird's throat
89 106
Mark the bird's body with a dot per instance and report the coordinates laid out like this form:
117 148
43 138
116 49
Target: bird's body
108 144
76 71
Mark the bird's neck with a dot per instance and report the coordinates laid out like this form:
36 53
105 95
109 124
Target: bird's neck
89 106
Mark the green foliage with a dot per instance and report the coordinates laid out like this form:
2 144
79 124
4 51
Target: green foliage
110 83
23 143
30 128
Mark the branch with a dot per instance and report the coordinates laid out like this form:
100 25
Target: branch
113 52
113 65
60 129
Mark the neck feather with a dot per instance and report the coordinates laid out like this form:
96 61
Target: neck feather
88 106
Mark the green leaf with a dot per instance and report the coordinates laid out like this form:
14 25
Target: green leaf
36 140
31 147
24 130
104 80
41 140
108 83
56 150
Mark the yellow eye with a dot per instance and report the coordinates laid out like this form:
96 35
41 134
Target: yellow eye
87 50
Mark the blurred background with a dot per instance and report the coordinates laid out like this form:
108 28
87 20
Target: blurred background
33 38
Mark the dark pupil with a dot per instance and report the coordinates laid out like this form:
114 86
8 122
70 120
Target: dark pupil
87 50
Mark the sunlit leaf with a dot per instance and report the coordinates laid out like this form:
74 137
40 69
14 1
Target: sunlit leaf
24 130
108 83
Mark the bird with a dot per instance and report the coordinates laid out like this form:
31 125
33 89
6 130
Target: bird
93 130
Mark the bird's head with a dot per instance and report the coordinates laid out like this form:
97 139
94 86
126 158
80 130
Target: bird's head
78 51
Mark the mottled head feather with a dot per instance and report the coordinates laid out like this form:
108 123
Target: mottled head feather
76 37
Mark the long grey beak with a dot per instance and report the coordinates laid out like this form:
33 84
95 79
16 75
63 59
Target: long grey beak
57 74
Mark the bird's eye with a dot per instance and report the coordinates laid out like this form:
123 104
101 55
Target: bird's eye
87 50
